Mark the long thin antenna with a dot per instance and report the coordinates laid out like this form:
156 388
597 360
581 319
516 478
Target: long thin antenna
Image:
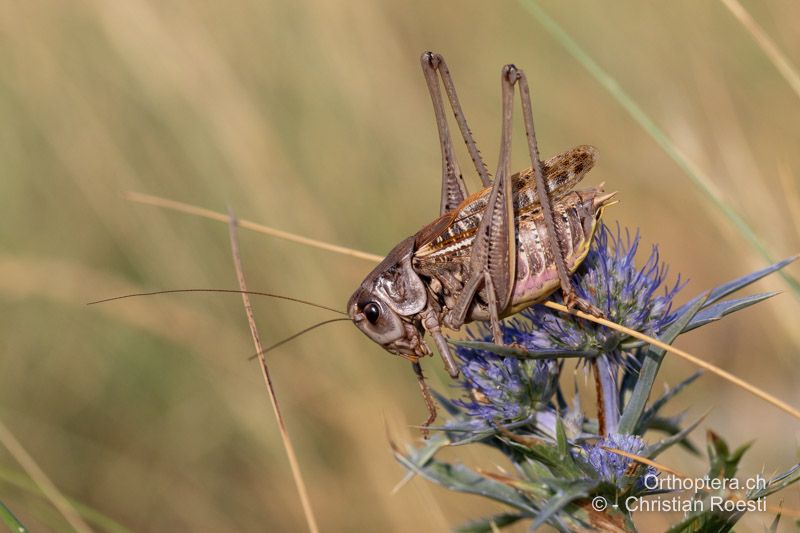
299 333
552 305
233 291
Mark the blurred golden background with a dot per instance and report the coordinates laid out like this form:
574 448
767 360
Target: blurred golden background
313 117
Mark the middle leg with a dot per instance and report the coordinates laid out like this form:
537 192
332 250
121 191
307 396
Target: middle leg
493 256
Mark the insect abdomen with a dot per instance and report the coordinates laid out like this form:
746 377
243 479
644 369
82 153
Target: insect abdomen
577 215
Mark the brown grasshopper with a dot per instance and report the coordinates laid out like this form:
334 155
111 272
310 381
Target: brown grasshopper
489 254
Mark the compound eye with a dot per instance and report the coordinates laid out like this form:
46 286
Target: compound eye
372 312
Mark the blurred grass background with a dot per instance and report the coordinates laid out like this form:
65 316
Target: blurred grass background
312 116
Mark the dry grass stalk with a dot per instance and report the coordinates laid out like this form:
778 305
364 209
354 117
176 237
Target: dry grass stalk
206 213
287 443
42 481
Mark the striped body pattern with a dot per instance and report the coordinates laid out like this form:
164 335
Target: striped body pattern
490 254
443 247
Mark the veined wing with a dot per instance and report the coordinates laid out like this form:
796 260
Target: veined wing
449 238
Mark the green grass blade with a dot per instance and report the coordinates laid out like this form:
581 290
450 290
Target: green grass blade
697 176
8 518
21 481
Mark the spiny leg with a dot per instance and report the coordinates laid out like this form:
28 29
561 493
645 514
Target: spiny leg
491 302
454 189
426 394
493 257
571 298
436 62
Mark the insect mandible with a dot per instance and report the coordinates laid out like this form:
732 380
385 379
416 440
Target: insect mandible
490 254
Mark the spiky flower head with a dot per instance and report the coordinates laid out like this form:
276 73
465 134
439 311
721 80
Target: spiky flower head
564 457
609 280
507 390
504 390
614 467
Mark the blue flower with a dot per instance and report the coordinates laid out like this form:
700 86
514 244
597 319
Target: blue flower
609 280
615 468
567 462
504 390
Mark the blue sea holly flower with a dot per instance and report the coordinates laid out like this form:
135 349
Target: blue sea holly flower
504 390
567 459
615 468
609 280
507 390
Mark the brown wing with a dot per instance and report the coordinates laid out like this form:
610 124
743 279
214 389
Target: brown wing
448 239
